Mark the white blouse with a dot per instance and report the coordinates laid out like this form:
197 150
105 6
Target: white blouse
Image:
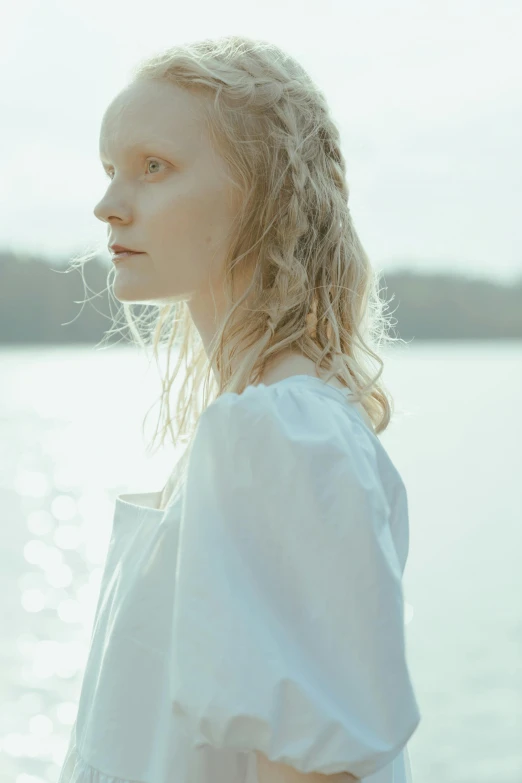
262 610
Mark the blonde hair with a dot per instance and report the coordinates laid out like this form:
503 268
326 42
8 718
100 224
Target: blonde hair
312 288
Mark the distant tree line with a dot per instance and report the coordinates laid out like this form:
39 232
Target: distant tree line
40 303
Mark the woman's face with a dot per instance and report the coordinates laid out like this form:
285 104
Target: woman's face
170 196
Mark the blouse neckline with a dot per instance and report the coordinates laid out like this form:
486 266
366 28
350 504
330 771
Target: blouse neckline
136 508
324 384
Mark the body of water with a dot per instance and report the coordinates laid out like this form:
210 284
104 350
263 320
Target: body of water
71 441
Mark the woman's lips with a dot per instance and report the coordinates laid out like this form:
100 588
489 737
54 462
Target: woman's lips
125 254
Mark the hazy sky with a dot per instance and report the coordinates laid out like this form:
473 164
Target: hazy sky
427 94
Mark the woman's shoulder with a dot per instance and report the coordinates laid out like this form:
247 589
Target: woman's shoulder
306 418
304 409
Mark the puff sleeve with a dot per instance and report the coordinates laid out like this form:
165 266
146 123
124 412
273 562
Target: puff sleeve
288 624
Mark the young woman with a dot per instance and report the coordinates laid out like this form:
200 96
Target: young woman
250 624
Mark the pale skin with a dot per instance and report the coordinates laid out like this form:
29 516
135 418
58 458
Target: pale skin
170 196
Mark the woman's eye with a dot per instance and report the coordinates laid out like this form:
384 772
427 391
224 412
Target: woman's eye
152 161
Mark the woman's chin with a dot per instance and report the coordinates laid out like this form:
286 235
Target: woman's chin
131 294
127 289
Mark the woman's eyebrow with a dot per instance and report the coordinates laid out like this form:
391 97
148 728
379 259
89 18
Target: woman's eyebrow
155 145
130 149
